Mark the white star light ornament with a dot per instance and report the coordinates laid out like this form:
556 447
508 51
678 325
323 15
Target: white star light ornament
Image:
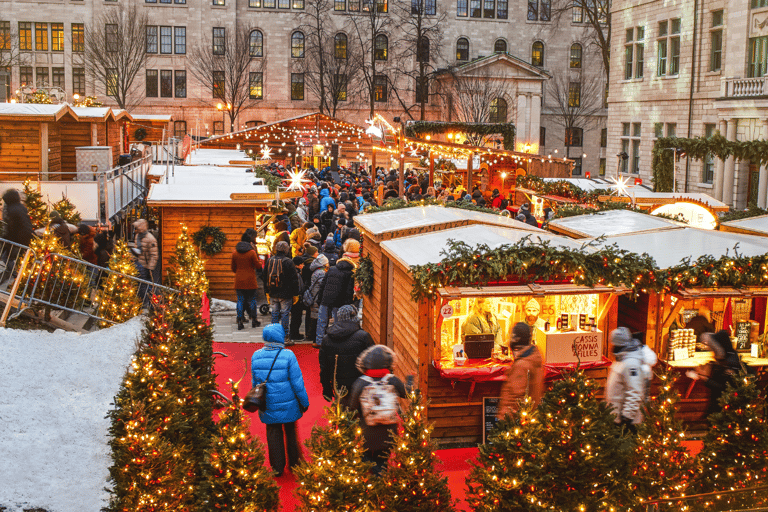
373 129
296 180
619 185
266 153
415 153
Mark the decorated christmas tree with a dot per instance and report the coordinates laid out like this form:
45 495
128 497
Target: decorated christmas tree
37 208
584 457
735 449
239 479
335 478
67 210
506 473
663 467
410 482
118 298
187 270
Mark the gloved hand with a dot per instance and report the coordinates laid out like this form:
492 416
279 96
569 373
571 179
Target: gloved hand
302 408
267 295
295 299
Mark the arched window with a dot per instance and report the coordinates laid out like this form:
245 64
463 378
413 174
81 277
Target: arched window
462 49
537 54
498 111
340 46
297 45
500 46
256 44
381 45
422 52
576 55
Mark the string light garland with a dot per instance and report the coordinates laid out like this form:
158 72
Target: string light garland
506 130
36 206
210 239
118 296
186 270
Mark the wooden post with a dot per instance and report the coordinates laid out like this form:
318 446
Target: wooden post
401 174
373 163
468 185
431 170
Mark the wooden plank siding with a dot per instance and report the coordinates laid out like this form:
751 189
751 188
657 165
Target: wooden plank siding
405 328
74 135
375 304
19 149
54 152
232 220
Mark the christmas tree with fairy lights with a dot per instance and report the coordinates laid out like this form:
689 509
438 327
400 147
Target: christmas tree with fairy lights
734 454
507 470
335 478
663 467
186 269
239 479
118 298
410 482
67 210
36 206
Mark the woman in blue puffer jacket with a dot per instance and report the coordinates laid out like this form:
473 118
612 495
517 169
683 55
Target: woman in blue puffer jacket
286 397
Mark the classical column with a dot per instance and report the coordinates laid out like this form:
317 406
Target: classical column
730 165
520 124
762 185
535 123
719 167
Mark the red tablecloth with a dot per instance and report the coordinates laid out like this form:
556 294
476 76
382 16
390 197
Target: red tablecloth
488 370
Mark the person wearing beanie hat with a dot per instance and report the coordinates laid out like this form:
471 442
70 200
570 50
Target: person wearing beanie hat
330 252
312 296
287 398
281 285
337 234
625 389
525 378
717 374
343 342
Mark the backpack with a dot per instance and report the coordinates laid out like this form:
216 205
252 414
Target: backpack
379 402
275 271
309 299
504 204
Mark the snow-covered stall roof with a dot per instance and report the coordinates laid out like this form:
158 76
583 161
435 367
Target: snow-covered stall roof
670 247
644 195
757 225
421 216
221 157
426 248
191 184
35 111
584 183
92 112
612 222
152 117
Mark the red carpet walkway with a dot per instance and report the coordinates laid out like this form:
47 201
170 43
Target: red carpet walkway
454 465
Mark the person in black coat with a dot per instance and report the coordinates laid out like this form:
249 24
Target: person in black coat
281 297
339 291
331 252
343 342
722 371
18 228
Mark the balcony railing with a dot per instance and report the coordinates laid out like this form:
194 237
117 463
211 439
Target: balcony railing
744 87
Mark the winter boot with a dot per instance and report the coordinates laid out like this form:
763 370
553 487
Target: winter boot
255 322
240 325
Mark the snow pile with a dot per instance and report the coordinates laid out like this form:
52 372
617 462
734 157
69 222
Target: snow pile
219 305
56 391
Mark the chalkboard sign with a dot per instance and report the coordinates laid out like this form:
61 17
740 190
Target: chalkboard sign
490 409
742 335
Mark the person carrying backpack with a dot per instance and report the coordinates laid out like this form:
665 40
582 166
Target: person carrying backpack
281 283
313 294
375 396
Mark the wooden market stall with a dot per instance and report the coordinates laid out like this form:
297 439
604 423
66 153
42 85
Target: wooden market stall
96 126
150 127
611 222
750 226
378 227
426 332
226 198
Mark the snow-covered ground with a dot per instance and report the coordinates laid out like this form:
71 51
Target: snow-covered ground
55 391
205 156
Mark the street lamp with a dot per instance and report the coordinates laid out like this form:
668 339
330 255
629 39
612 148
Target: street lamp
621 156
76 97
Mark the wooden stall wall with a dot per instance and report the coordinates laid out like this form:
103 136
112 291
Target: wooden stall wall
109 135
54 151
19 149
154 130
633 313
74 135
375 304
405 324
232 220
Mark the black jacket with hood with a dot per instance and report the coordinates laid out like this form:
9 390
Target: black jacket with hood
345 340
18 227
339 285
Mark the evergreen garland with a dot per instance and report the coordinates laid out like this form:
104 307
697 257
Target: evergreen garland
397 203
507 130
216 244
562 188
751 211
271 181
364 275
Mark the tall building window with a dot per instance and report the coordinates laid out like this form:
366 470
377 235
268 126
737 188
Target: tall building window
708 175
110 33
500 46
462 49
424 7
41 37
57 77
630 137
759 3
575 55
461 8
381 45
602 166
78 37
219 40
25 36
180 40
497 111
297 86
539 10
179 129
574 137
671 129
166 40
340 46
577 14
340 5
78 81
422 89
542 136
716 41
758 56
218 127
256 44
668 48
380 88
256 86
111 82
537 54
166 83
475 10
180 83
634 52
422 49
340 86
353 5
382 6
218 85
297 49
25 75
574 94
218 2
269 4
42 77
604 137
151 38
57 37
284 4
502 9
5 35
489 9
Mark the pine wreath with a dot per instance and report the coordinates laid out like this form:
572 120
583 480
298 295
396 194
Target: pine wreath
216 236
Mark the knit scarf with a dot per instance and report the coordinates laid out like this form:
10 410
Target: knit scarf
377 373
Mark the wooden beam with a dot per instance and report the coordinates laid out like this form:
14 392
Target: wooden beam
672 314
606 307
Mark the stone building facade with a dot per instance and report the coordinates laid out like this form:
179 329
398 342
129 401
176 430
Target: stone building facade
690 69
529 31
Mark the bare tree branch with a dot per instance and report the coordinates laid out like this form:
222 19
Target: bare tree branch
595 16
576 102
226 73
115 53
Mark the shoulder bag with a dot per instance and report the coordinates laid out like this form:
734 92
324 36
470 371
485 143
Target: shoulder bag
256 398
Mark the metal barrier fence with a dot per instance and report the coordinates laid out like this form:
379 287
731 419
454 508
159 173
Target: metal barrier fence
63 283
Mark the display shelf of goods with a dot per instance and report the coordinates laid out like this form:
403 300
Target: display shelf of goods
210 239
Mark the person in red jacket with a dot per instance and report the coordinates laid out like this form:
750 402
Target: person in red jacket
245 263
